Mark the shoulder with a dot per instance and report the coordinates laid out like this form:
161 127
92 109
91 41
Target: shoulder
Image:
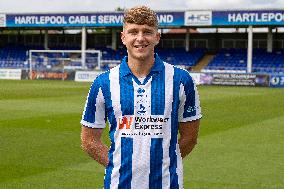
177 70
180 74
98 80
103 77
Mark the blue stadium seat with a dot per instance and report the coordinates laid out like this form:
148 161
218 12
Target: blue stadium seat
236 59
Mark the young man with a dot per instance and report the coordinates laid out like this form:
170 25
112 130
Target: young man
147 102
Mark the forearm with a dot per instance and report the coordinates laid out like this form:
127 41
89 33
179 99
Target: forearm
188 136
98 151
186 146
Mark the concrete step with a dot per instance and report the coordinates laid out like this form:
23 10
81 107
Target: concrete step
203 62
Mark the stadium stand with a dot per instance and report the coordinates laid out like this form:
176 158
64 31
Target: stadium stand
236 60
264 62
17 57
232 59
13 57
228 59
180 56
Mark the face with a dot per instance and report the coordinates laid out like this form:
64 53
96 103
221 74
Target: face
140 40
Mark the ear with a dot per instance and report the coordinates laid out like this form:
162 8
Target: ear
122 37
158 37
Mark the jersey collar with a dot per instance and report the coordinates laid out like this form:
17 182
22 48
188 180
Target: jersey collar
157 67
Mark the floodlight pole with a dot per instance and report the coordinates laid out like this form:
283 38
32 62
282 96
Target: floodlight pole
83 48
250 46
30 61
269 40
46 39
99 59
187 36
113 39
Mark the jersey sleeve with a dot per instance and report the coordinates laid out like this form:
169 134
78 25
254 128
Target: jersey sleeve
94 111
189 109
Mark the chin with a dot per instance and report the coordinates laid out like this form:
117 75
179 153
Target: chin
142 56
139 56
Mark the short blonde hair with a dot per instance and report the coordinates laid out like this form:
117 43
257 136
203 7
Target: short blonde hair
141 15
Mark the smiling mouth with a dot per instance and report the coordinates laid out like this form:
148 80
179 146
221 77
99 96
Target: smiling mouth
140 46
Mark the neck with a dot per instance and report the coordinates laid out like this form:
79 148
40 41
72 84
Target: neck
140 68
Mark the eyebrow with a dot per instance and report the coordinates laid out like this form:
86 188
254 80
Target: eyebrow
144 30
148 30
131 30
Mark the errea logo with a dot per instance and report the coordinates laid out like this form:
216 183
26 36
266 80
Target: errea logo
125 122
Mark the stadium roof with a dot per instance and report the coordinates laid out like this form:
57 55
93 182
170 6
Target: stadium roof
167 19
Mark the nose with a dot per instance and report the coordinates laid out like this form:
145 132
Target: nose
140 36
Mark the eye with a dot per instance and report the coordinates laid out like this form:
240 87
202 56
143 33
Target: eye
132 32
148 32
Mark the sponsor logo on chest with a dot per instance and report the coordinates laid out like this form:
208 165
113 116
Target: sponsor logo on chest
142 125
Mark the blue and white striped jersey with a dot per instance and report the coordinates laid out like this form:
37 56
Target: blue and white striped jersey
143 123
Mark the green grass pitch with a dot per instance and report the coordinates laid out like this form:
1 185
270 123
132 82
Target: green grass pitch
241 143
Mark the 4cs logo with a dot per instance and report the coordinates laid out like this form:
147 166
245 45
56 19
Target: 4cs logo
125 122
198 18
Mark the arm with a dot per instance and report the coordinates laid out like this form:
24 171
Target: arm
188 136
92 144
